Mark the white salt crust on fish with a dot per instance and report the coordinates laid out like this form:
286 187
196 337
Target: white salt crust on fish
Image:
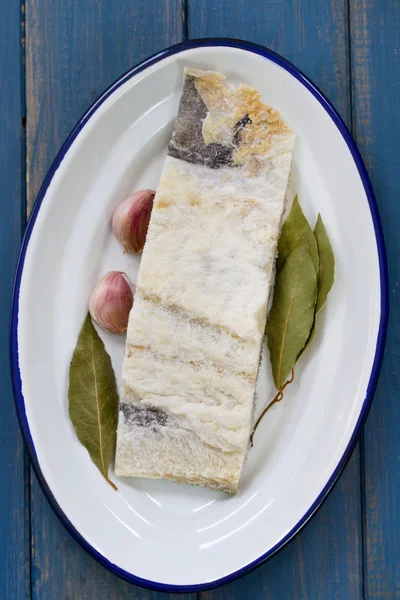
197 324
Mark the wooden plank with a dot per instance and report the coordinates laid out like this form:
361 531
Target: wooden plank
375 50
325 560
74 51
14 524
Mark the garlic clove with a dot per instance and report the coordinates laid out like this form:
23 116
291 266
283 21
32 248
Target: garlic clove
111 302
131 220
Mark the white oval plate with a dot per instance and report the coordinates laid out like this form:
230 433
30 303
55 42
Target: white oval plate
156 533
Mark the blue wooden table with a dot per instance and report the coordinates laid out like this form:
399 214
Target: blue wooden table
56 57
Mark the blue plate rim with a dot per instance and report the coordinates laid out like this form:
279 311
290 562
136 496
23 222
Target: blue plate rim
380 345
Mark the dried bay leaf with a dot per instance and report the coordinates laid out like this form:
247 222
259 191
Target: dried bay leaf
93 398
326 263
310 337
292 313
294 228
326 274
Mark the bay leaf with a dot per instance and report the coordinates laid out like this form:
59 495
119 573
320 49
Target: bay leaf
292 313
294 228
310 337
93 398
326 274
326 263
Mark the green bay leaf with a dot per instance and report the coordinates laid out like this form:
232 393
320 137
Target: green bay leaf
294 228
326 274
310 337
326 263
292 313
93 398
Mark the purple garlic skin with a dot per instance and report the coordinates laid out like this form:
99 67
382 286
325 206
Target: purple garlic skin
131 221
111 302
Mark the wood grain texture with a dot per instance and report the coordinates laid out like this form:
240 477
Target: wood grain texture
74 50
14 520
375 53
325 560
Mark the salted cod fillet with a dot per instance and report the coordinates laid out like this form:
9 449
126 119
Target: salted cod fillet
197 324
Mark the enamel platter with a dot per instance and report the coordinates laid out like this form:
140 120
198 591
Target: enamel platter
161 534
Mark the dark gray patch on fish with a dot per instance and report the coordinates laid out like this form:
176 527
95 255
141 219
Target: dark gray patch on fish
187 142
144 417
240 125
